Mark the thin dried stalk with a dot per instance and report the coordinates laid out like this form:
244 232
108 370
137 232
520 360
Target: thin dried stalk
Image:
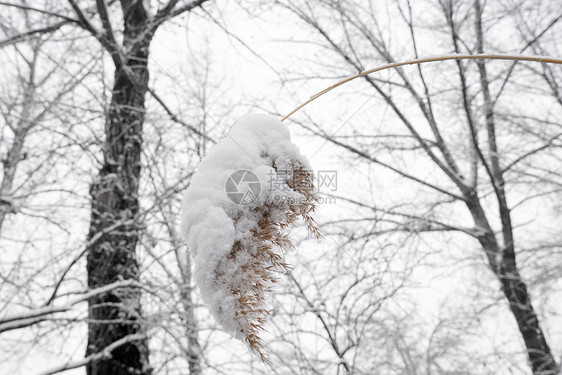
541 59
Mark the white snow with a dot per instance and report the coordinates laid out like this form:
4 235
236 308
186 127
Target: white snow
212 222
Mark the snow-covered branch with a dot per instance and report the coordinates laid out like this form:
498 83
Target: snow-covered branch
27 318
105 353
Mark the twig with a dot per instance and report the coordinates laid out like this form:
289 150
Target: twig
175 118
105 353
43 30
26 318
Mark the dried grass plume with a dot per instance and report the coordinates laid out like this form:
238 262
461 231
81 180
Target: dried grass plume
238 247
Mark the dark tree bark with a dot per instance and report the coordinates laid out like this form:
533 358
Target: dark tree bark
115 204
515 289
115 222
502 263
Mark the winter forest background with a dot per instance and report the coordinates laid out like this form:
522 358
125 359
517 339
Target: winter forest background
441 184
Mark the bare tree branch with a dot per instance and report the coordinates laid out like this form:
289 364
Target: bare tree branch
104 354
30 317
23 36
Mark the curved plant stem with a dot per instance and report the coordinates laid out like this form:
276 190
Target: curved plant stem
541 59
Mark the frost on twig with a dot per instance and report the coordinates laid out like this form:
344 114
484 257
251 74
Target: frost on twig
247 193
32 316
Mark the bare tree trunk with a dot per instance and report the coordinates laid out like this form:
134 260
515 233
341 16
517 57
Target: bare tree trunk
514 288
15 150
12 159
195 351
115 200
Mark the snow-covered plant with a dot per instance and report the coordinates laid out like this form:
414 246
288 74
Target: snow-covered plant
247 193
